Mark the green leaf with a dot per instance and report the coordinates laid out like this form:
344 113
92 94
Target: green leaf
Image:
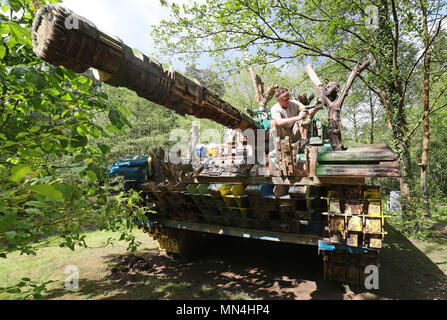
16 290
94 131
116 118
18 172
34 211
78 169
4 28
2 51
79 141
22 134
104 148
65 189
6 221
10 235
47 190
19 34
47 145
82 130
35 129
92 175
36 204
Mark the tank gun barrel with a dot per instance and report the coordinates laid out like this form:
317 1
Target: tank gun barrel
82 46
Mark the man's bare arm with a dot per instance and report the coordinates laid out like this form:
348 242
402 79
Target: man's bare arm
285 121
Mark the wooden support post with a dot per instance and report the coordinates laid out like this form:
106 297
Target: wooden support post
312 160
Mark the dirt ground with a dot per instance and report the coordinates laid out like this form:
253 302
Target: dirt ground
266 270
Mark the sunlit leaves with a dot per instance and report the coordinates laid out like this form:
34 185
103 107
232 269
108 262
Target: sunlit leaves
20 171
117 118
52 172
48 191
7 220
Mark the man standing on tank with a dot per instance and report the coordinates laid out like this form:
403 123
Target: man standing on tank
290 117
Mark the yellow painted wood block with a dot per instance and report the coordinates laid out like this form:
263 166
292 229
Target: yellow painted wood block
355 224
335 206
353 240
374 208
373 225
375 243
353 207
337 223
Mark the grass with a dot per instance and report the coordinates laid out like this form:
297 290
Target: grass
410 269
439 214
95 279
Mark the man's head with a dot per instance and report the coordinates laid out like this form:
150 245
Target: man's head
283 97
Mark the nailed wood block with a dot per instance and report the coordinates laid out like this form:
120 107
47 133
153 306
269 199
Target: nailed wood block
312 160
353 240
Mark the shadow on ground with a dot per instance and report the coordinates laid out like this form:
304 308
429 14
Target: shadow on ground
231 268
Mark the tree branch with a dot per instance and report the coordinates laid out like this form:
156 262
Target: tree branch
407 80
355 72
318 85
430 112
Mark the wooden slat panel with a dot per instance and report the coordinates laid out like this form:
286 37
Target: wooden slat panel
364 170
349 156
370 146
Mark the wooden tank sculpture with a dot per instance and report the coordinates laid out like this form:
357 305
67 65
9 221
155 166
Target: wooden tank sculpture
267 188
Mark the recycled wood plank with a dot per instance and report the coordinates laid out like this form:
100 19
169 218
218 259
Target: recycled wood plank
376 146
361 156
359 170
312 161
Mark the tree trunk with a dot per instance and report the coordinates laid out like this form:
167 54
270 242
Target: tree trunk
391 94
354 122
371 110
426 139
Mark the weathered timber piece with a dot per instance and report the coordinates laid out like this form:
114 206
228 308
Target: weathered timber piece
370 153
332 102
384 169
258 85
117 65
359 161
262 98
306 100
312 160
268 95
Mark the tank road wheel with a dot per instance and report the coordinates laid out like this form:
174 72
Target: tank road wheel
182 243
188 244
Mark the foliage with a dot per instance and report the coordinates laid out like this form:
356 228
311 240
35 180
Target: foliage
27 289
207 77
52 171
151 125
